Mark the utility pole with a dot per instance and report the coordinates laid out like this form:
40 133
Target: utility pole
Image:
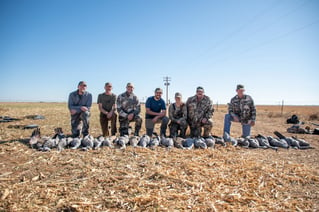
166 83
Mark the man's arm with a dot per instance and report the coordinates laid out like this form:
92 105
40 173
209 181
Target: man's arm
210 109
119 107
71 103
138 107
171 113
253 110
150 112
184 111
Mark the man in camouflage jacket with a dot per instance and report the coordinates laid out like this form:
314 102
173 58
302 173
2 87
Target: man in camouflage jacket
129 108
241 109
199 113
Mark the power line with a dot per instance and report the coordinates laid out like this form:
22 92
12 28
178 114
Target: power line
241 27
273 39
254 19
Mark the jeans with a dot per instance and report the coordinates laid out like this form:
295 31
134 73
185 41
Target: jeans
227 124
150 126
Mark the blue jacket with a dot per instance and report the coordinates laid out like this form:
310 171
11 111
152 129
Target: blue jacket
76 101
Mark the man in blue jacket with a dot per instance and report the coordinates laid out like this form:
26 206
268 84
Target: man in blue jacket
79 103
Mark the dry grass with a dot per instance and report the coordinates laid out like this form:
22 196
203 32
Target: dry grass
142 179
314 117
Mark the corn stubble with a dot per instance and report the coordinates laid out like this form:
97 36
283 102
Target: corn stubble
224 178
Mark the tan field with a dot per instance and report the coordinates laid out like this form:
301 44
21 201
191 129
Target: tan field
224 178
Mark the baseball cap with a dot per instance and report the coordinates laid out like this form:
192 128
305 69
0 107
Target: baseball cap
177 94
240 87
200 88
130 85
158 90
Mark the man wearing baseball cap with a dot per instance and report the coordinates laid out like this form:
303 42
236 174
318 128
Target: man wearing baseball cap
240 109
199 113
156 112
129 108
79 104
178 115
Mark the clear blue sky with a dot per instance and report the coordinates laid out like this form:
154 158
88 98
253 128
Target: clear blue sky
270 46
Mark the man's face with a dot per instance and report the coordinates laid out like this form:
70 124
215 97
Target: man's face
108 88
200 94
178 99
82 87
129 89
240 92
158 94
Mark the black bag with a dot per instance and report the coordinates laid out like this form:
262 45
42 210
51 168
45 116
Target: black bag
293 120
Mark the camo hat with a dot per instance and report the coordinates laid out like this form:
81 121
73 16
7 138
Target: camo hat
240 87
178 95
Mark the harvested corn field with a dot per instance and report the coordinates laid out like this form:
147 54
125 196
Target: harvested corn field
224 178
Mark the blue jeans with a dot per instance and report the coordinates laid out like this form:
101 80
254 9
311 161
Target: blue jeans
227 124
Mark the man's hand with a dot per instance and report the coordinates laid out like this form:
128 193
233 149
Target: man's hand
72 112
204 120
109 114
162 114
236 119
251 123
154 120
83 108
130 116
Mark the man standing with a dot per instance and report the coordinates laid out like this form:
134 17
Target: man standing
79 104
156 112
199 113
241 109
106 103
129 108
178 115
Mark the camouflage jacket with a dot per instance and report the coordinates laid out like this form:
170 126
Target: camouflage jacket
244 108
177 113
197 110
127 104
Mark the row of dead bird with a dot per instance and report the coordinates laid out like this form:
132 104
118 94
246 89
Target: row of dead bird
60 141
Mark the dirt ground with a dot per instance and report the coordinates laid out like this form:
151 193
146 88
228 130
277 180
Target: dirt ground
136 179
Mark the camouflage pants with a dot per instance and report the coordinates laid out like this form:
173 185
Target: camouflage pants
124 125
175 127
196 129
75 123
104 121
